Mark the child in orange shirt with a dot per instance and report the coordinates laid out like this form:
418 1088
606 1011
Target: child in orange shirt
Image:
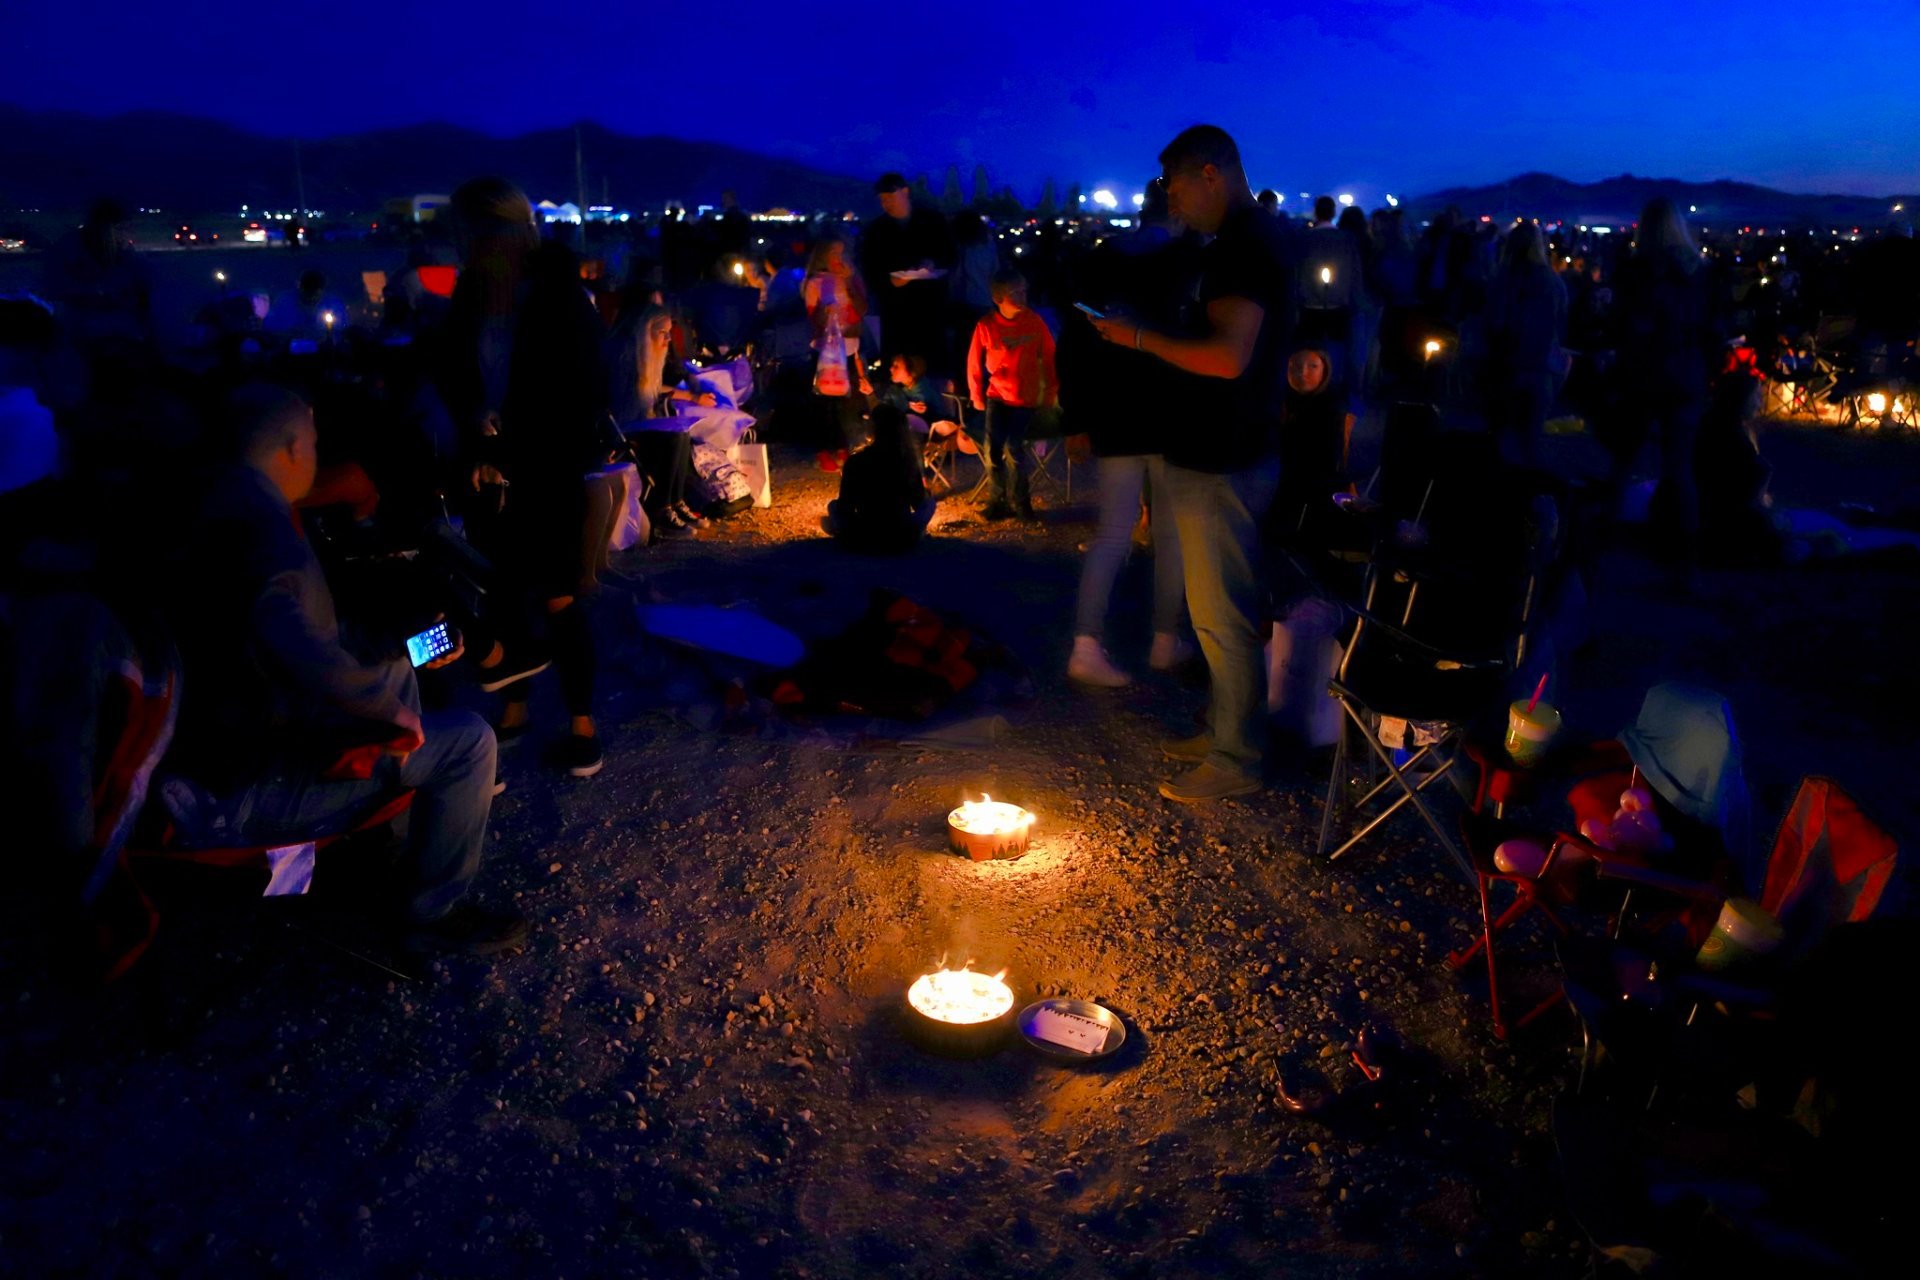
1010 374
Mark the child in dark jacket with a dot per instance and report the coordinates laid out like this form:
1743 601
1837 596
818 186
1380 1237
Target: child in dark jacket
883 504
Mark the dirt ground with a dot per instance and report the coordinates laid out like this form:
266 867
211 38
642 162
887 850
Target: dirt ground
696 1069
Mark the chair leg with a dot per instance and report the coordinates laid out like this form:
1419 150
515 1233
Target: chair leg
1413 795
1493 972
1336 785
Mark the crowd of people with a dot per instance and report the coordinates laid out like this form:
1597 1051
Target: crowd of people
1214 353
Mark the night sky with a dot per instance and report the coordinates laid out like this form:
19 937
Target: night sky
1402 96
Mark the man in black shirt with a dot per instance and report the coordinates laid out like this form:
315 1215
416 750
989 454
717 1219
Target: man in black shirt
1221 475
904 239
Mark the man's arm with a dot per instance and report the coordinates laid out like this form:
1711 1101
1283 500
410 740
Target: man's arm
1225 353
294 627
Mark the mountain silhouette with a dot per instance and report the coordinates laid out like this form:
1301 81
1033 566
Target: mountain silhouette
64 160
1618 201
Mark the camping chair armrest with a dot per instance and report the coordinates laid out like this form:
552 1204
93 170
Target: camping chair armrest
1609 867
1400 636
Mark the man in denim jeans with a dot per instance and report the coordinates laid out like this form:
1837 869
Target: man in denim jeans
285 735
1222 473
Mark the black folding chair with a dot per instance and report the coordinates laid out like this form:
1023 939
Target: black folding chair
1441 626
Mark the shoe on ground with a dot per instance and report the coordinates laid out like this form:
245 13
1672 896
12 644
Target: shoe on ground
468 930
582 755
1090 666
1205 782
688 515
668 524
510 669
506 735
1195 748
1025 511
1169 651
996 511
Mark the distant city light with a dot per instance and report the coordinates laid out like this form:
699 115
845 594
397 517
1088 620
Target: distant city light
219 277
1083 199
1393 202
1326 275
1140 199
326 318
1346 199
1105 199
1692 209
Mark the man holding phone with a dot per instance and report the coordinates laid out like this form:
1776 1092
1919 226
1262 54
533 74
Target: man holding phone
285 734
1222 474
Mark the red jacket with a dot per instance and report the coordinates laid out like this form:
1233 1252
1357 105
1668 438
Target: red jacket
1016 358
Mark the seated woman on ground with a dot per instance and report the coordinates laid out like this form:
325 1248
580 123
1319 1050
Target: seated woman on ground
883 504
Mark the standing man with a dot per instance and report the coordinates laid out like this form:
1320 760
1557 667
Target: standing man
904 239
1222 472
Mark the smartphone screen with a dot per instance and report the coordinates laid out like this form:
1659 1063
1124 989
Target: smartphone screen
436 641
1097 315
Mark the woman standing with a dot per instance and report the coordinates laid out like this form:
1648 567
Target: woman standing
1665 341
836 298
1526 324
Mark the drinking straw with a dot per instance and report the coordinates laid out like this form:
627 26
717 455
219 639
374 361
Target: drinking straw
1537 691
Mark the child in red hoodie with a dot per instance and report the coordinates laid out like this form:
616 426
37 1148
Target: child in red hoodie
1010 373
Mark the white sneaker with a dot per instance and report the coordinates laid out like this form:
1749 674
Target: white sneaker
1090 665
1169 651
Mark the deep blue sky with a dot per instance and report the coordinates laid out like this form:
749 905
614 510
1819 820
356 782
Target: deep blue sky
1399 95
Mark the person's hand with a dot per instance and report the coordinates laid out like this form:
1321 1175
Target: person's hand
979 405
1117 329
490 423
918 406
410 738
706 400
452 655
486 475
866 386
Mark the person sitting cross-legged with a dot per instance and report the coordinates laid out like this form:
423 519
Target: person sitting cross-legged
285 734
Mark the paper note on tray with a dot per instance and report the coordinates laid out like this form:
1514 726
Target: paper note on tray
1070 1030
918 273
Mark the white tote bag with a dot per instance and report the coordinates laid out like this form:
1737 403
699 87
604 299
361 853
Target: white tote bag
751 457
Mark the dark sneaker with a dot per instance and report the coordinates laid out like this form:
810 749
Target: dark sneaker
996 511
688 515
668 524
468 930
1205 782
582 755
506 735
1025 511
514 667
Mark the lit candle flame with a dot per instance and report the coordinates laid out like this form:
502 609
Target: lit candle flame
989 817
961 995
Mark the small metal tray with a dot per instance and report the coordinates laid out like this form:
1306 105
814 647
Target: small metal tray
1116 1029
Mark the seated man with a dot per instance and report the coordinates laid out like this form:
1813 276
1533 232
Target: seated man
285 735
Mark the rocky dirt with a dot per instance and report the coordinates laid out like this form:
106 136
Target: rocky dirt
696 1067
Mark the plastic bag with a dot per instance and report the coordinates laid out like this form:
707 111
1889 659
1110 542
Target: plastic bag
830 369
